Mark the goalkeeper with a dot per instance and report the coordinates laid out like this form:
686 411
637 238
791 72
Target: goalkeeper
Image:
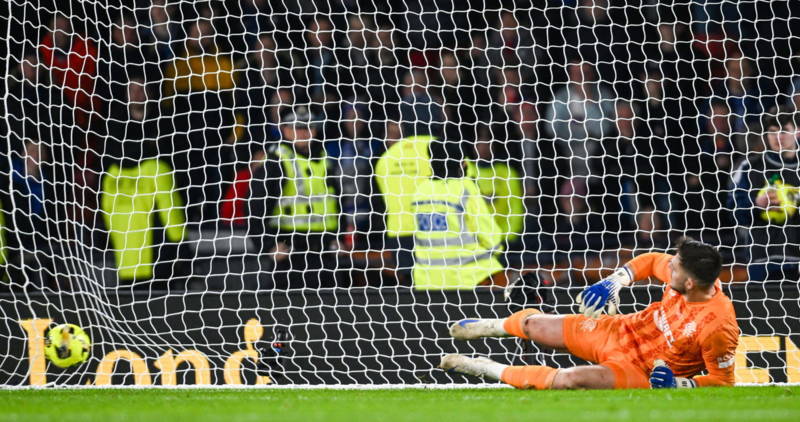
691 330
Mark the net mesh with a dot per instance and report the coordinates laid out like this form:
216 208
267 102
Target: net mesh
229 192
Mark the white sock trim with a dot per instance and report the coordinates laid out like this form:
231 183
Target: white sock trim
495 370
498 326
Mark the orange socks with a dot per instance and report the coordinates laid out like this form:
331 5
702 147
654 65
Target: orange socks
525 377
514 324
532 376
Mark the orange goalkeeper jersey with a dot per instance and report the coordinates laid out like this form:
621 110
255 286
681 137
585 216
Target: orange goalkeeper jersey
690 336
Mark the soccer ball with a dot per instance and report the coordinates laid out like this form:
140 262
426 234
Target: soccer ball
67 345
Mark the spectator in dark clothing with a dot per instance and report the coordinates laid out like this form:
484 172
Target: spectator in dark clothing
740 91
481 76
198 89
247 20
455 91
580 116
294 208
526 117
126 57
579 230
707 161
135 120
30 177
642 164
320 58
256 88
652 159
163 30
389 59
38 172
511 42
659 126
35 108
418 109
355 75
790 97
670 51
598 38
765 201
31 215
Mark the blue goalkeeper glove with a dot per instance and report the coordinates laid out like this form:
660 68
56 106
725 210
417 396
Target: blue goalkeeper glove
663 377
604 294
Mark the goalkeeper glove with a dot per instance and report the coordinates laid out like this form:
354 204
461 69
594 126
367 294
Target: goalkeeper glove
663 377
604 293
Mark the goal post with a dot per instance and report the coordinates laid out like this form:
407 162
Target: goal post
234 192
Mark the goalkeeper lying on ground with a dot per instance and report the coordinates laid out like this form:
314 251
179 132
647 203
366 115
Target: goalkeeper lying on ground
692 329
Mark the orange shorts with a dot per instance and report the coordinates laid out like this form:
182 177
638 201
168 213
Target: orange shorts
597 341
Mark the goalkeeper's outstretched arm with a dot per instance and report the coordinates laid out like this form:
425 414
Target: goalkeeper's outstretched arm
605 293
651 264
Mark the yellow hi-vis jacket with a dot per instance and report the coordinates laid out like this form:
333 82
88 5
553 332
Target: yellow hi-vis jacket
307 203
501 187
131 198
456 236
398 173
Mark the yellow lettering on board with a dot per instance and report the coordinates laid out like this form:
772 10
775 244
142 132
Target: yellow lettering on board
37 365
754 344
792 361
233 366
168 364
141 375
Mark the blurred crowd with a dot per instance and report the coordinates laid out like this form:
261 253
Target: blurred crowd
623 125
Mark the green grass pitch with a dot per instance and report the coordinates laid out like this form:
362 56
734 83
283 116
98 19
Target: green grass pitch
197 405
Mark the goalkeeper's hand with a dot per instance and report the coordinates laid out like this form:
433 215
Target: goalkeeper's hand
663 377
604 294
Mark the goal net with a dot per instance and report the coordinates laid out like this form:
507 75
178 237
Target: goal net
243 192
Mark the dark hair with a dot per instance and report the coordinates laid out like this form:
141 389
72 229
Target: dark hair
768 121
702 261
447 158
785 118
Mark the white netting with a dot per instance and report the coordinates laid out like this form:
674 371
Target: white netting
159 190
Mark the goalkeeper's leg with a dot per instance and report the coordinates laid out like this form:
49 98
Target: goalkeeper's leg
533 376
529 324
588 339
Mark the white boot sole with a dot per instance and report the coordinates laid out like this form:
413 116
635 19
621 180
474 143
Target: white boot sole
470 329
477 367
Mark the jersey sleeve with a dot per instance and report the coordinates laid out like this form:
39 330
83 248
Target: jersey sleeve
651 264
719 355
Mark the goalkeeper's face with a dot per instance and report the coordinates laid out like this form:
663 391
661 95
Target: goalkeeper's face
680 277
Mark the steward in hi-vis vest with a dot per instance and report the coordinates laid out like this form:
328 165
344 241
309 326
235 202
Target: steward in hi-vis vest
456 238
294 209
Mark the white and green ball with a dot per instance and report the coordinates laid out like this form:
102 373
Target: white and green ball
67 345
